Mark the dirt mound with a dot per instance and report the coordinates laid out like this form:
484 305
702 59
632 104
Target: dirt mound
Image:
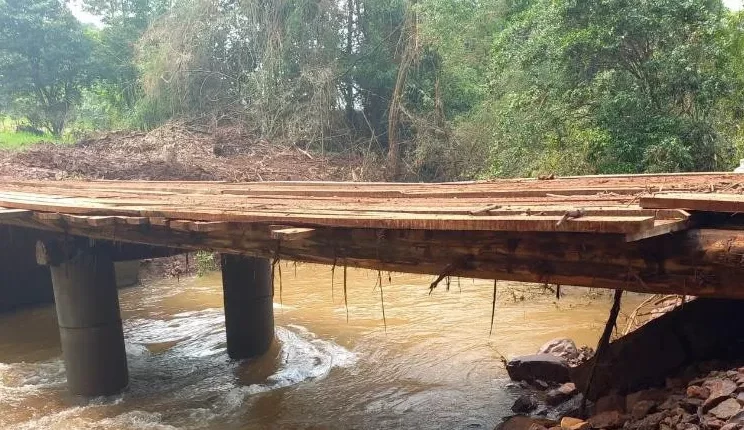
177 152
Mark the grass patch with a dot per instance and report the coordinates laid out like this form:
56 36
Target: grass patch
15 140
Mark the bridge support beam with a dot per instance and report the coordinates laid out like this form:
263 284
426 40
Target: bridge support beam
249 312
90 324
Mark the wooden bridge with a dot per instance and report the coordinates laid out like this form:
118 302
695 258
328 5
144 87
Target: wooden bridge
674 233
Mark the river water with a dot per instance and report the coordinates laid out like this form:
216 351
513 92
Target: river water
430 363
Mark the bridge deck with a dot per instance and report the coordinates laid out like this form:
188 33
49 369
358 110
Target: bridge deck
602 231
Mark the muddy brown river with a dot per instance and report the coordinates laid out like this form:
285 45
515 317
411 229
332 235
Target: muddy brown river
434 366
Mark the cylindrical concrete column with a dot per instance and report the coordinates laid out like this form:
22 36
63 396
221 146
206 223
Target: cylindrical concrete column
90 325
249 312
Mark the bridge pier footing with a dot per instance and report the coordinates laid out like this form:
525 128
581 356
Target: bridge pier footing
249 312
90 324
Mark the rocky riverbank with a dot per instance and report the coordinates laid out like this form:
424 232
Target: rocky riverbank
706 396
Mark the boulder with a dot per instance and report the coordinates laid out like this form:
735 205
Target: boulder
608 420
726 409
524 404
545 367
562 347
561 394
569 423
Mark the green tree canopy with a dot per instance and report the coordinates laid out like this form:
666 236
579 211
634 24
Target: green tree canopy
44 61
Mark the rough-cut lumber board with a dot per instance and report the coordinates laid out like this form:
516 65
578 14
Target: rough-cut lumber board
733 203
6 213
295 233
208 226
47 216
95 221
661 227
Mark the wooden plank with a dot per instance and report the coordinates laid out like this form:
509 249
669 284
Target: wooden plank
295 233
133 220
6 213
661 227
733 203
208 226
159 221
93 220
180 225
47 216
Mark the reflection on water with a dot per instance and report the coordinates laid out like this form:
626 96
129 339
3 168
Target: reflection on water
434 367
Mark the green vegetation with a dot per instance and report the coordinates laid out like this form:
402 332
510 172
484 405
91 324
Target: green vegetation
441 89
19 139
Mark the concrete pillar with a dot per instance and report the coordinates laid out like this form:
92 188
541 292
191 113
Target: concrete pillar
249 311
90 324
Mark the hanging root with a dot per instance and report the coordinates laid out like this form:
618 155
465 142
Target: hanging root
333 278
346 301
493 305
382 303
448 280
604 342
558 292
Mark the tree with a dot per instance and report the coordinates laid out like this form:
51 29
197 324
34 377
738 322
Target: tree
44 61
611 86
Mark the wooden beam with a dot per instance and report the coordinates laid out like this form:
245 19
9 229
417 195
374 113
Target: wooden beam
702 262
293 233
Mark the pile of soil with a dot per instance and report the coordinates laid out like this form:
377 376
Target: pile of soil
179 152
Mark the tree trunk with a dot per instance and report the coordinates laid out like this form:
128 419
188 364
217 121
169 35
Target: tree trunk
409 40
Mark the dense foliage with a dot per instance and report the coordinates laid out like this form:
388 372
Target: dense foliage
443 89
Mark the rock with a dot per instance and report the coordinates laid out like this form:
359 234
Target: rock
698 392
650 422
524 423
545 367
524 404
610 402
738 418
726 409
731 426
711 423
560 394
569 423
569 408
642 408
655 394
690 405
672 402
562 347
540 384
720 390
608 420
